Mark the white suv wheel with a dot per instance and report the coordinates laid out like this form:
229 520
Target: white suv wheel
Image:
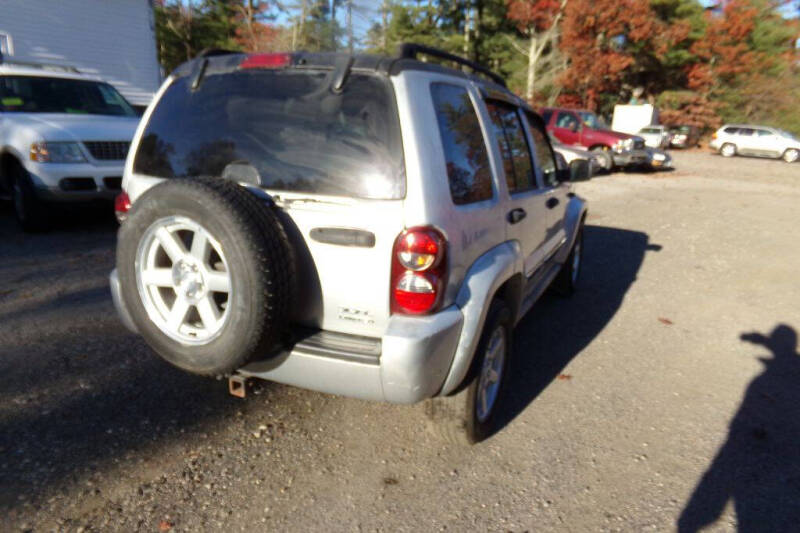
791 155
728 150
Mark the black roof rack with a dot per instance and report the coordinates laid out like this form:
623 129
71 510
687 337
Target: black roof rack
411 50
211 52
43 66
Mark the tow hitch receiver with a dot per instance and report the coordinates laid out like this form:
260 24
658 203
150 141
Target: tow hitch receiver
237 385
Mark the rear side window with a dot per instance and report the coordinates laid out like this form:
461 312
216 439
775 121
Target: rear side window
731 131
746 131
546 114
284 129
466 158
513 147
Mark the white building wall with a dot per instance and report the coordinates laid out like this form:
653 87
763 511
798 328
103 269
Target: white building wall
111 39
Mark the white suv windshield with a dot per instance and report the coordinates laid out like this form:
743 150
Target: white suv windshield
286 129
39 94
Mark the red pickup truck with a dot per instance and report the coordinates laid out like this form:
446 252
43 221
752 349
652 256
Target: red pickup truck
585 130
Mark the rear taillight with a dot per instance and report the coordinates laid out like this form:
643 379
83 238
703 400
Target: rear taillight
714 135
122 204
266 61
419 269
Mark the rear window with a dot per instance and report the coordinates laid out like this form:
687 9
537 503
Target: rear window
285 129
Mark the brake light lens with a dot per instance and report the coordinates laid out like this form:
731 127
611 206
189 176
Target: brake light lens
714 135
122 204
266 61
418 271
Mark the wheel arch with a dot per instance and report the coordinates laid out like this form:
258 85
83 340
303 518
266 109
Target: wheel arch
497 273
7 161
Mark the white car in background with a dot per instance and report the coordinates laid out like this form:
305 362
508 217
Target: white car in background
655 136
64 137
759 141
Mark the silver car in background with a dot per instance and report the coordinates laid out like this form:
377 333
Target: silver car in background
655 136
759 141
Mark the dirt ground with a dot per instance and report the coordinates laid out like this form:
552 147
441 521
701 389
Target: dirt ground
663 395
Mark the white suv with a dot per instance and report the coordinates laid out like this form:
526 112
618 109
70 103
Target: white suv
64 137
366 226
760 141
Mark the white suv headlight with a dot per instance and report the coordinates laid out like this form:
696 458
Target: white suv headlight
57 152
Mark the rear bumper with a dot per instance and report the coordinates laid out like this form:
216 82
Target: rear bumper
411 361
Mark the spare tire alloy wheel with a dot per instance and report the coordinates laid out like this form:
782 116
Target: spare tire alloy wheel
185 288
206 272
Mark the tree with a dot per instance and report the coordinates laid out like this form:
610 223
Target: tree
538 20
603 39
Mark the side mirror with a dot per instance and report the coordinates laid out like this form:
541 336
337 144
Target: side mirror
579 170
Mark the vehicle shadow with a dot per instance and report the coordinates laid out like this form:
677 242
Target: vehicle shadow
758 467
78 393
557 329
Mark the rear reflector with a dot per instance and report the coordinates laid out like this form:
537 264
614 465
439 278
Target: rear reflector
122 204
266 61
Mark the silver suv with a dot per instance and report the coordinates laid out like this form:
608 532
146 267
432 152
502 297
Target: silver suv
366 226
759 141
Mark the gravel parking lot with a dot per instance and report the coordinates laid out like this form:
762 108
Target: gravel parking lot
663 394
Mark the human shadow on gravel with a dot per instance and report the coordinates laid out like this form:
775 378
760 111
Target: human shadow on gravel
758 467
557 329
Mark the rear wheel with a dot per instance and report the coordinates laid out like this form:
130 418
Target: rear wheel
470 415
206 271
791 155
567 280
728 150
29 210
604 158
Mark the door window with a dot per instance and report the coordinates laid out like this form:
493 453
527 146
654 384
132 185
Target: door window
466 157
513 147
544 154
567 121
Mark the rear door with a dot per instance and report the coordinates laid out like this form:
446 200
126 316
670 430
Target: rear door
332 161
747 141
526 219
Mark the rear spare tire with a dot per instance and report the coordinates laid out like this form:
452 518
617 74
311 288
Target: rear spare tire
207 273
